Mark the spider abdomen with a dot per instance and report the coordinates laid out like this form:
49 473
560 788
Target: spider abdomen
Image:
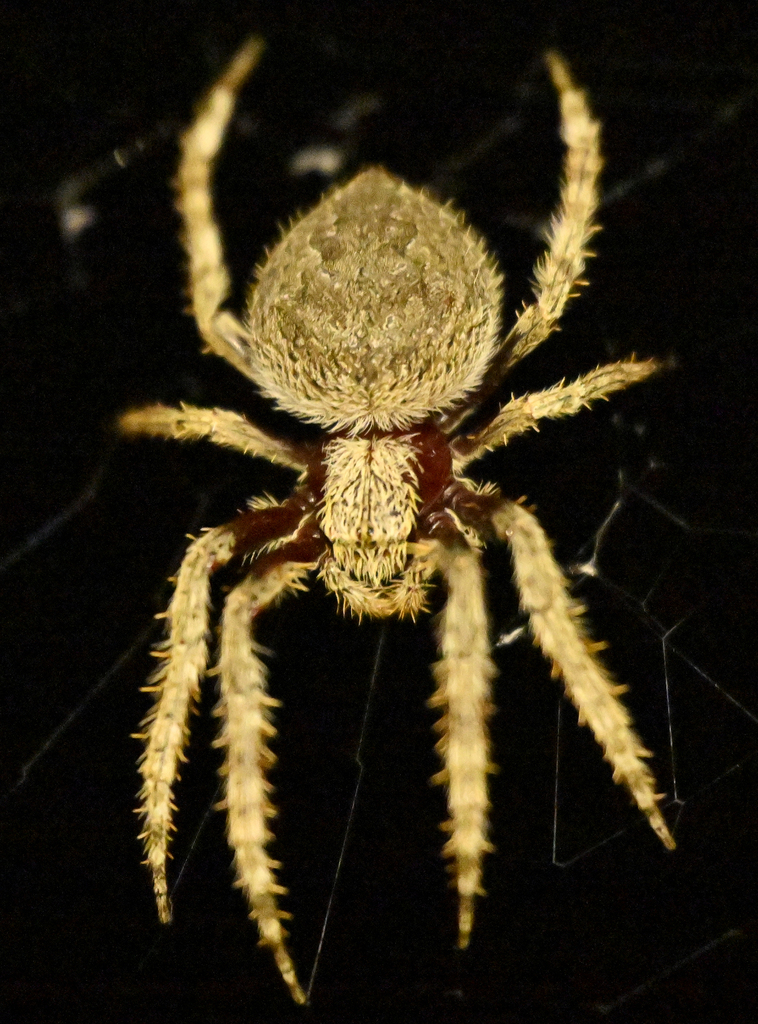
376 308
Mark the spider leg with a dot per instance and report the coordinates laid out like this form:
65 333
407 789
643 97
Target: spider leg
208 276
556 623
463 677
183 661
559 270
184 657
222 427
245 708
524 413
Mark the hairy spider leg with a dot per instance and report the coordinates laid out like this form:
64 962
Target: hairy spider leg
463 675
245 709
524 413
183 663
559 270
208 276
176 684
220 426
556 623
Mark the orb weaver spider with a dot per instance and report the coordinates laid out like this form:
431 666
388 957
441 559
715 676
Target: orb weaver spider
376 316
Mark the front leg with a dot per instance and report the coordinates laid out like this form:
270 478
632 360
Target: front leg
183 660
556 622
463 677
246 712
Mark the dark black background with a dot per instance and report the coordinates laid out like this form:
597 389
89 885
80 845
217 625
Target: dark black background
604 926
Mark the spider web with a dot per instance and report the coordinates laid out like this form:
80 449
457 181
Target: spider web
651 503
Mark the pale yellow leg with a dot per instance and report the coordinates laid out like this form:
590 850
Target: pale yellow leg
560 270
184 656
556 622
524 413
208 276
220 426
245 709
463 677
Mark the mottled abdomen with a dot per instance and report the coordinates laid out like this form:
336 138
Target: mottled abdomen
375 309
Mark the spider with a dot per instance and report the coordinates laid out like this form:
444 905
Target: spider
376 316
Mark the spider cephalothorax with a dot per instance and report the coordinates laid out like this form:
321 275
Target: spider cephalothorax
376 316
